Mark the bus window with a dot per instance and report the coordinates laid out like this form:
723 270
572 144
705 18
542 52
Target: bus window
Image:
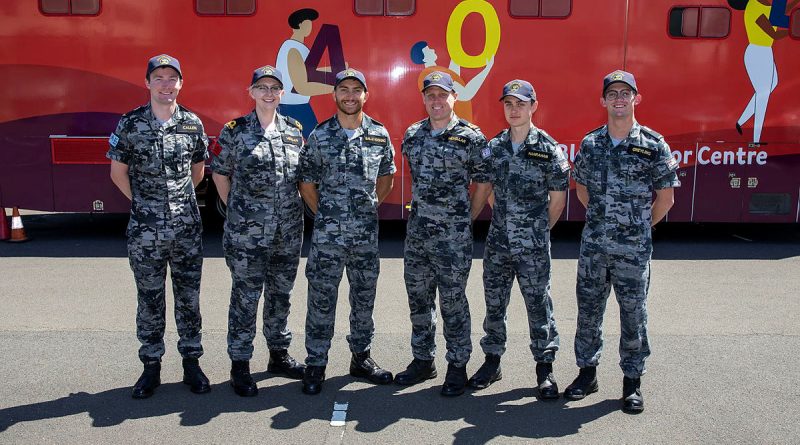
539 8
794 30
225 7
384 7
699 22
69 7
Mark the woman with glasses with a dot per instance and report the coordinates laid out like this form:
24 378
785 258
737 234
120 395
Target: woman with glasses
256 176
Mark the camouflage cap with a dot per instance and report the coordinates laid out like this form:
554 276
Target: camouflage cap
438 79
350 73
163 60
619 76
520 89
266 71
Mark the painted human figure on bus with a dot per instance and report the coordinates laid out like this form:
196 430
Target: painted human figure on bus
158 154
759 60
291 62
256 176
423 54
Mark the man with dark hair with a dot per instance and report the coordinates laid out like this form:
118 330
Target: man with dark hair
618 169
157 158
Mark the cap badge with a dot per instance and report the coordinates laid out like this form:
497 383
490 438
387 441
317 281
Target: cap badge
514 87
163 60
436 76
349 73
617 76
266 70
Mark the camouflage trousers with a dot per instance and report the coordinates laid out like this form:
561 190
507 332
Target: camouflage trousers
441 263
324 269
149 260
532 271
629 274
256 268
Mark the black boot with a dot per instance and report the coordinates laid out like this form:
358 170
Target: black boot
312 379
194 377
632 400
148 381
241 380
362 365
280 362
584 384
455 382
488 373
417 371
546 382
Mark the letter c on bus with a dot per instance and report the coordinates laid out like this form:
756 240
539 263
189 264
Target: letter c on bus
491 25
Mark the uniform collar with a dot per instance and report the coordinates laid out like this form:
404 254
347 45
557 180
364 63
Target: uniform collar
450 125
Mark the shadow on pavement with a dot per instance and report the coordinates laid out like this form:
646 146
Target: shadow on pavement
514 413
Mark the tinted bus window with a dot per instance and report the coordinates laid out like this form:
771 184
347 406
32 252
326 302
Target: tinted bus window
540 8
705 22
225 7
69 7
384 7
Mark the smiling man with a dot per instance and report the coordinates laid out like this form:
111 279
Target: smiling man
157 158
618 169
531 176
346 170
445 154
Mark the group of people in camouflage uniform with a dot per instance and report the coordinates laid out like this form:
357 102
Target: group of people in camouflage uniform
265 171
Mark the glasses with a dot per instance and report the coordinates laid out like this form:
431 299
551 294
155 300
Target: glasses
264 89
614 95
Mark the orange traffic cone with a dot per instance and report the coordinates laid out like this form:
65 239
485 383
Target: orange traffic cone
4 229
17 231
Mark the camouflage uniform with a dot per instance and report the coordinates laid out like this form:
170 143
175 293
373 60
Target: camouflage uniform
164 226
263 227
616 244
345 229
438 248
518 244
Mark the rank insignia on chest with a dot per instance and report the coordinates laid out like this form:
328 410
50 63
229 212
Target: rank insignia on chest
538 155
288 139
642 152
376 140
457 139
188 129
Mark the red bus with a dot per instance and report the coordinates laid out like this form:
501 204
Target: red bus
69 68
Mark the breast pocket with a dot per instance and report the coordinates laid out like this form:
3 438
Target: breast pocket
371 158
453 165
255 167
146 156
182 144
634 170
531 180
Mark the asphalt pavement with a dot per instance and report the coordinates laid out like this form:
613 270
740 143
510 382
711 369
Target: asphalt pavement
724 328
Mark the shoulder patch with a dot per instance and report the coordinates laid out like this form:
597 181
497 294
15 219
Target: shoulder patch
294 122
113 140
136 110
486 152
672 163
469 124
648 131
547 137
231 125
595 130
326 121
